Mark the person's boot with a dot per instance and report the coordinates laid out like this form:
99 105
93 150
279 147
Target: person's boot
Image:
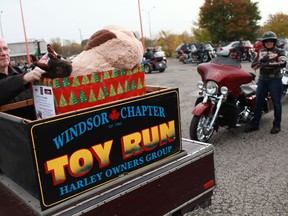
275 130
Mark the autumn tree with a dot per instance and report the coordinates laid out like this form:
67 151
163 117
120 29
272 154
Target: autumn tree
201 34
277 23
185 37
66 48
57 45
168 42
71 49
227 20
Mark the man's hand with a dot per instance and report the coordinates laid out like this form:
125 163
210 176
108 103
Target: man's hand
34 75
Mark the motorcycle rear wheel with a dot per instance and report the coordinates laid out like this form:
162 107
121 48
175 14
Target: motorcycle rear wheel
198 130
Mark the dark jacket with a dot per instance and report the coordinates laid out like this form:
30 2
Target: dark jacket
12 88
269 63
149 54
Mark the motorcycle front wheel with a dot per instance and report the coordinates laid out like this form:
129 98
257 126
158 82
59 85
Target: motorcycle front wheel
198 128
206 57
147 69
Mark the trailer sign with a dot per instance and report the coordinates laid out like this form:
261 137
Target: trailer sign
86 149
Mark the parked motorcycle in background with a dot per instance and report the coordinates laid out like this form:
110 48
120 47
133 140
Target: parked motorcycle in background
227 98
202 53
248 53
209 52
154 61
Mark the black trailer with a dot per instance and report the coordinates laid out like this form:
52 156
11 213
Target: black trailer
120 158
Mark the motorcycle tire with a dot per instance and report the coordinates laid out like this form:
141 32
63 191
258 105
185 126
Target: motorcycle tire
162 70
197 130
147 69
206 58
244 57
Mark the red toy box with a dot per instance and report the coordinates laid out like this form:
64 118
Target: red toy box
73 93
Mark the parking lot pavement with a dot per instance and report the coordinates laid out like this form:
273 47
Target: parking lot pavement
251 168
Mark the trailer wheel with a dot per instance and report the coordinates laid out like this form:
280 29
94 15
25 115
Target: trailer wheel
198 128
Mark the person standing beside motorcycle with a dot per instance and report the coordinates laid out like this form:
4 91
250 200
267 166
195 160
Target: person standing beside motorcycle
270 60
201 51
240 49
187 52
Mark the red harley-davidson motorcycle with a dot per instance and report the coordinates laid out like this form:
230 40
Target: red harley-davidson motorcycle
227 98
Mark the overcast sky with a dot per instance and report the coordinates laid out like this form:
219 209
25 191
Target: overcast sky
75 20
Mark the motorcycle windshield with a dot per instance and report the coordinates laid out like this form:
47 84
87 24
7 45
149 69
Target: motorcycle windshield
208 47
225 72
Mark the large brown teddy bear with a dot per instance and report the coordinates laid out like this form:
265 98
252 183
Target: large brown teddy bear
109 48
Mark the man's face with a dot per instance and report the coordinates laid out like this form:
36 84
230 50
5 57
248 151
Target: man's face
4 54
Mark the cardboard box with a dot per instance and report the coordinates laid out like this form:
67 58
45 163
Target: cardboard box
73 93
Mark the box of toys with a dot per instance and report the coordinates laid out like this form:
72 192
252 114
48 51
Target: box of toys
78 92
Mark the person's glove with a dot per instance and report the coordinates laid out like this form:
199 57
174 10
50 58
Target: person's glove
263 64
264 59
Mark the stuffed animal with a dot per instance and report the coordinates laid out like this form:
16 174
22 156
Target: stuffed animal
56 66
109 48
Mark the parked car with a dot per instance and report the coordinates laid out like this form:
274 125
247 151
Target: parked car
225 50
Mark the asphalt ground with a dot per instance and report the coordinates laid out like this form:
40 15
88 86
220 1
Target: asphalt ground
251 168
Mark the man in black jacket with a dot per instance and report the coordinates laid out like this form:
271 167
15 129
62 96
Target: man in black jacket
240 49
14 85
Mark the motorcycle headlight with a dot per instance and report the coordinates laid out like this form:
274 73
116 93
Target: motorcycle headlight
211 87
224 90
200 85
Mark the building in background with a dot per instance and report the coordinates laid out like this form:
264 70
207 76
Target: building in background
18 50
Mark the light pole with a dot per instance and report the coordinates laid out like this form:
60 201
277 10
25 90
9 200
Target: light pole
81 38
150 24
148 13
140 17
1 24
24 29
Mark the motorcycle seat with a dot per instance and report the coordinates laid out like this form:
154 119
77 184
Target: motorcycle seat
248 90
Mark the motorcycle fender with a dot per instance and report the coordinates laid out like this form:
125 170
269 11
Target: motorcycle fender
202 109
